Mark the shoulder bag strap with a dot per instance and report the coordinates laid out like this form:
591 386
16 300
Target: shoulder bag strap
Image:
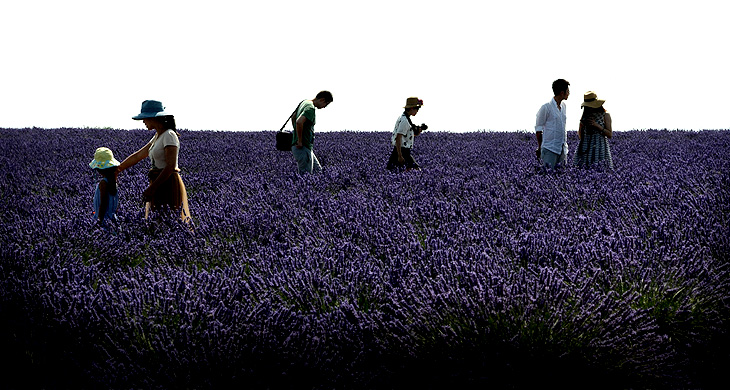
292 114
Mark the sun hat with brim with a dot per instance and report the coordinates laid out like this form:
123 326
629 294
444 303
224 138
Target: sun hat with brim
151 109
413 102
590 100
103 159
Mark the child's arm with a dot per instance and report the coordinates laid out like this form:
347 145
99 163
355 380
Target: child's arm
135 157
104 199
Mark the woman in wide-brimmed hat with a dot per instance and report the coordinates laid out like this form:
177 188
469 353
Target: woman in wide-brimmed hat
403 134
165 185
594 130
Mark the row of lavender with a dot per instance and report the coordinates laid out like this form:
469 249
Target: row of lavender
479 267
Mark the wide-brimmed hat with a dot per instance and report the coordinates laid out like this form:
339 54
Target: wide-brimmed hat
590 100
103 159
413 102
151 109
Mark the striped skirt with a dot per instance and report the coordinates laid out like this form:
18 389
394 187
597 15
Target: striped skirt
593 149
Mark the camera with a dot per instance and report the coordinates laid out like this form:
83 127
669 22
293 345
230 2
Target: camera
420 128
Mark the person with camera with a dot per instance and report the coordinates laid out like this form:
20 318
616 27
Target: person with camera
403 134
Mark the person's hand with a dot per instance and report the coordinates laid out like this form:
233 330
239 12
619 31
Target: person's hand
299 145
401 160
596 126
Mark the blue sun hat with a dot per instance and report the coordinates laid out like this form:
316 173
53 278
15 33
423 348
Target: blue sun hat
103 159
151 109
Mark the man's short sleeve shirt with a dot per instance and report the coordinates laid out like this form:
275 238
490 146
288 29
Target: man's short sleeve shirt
306 109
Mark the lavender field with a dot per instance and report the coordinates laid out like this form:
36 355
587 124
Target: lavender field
480 270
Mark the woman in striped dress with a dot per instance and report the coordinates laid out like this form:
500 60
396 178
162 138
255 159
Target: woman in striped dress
594 131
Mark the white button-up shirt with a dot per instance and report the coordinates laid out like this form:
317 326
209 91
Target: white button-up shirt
551 123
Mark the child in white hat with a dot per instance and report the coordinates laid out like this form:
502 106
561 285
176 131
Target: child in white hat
106 197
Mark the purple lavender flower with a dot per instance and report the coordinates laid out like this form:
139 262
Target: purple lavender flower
478 267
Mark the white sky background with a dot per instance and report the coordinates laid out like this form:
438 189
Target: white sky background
244 65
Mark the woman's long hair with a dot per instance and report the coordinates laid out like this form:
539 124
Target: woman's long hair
168 123
111 178
588 111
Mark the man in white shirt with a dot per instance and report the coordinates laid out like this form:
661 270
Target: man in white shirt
552 145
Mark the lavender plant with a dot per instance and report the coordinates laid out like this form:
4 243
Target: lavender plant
479 269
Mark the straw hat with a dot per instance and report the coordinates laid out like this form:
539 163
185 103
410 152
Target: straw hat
151 109
589 100
413 102
103 159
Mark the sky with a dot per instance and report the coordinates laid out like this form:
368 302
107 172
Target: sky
478 65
